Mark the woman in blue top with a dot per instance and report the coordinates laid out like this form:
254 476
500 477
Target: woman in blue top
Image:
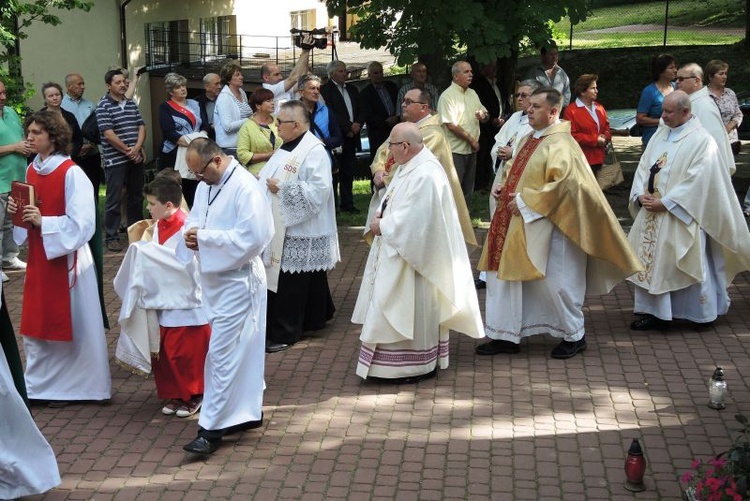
663 72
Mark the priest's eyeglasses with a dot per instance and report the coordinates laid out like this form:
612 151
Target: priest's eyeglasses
408 101
200 172
396 143
680 79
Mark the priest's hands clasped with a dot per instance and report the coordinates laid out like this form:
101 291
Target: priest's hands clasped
651 203
273 185
31 213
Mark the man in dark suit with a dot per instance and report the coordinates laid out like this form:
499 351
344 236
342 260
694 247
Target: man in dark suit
343 101
489 94
378 105
207 101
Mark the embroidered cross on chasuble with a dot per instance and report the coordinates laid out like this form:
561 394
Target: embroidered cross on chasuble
502 216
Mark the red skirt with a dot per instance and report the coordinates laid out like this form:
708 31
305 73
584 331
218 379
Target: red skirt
178 372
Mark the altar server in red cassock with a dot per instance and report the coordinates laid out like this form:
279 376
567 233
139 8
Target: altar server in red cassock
63 333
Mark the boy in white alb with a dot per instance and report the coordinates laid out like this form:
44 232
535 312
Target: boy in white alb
184 334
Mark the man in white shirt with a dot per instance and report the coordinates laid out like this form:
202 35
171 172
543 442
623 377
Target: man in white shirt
284 89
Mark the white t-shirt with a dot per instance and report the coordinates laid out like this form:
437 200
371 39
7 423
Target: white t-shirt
280 94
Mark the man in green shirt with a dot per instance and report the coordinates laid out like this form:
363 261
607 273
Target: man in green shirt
13 152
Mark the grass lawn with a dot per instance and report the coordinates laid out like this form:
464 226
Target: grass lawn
675 36
713 13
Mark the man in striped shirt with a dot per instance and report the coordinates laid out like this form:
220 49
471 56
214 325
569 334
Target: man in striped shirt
123 132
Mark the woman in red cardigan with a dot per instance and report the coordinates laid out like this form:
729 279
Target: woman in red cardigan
588 121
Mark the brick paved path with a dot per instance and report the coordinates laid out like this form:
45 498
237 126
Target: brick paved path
508 427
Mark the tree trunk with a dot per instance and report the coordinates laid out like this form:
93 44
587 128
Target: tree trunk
506 77
438 69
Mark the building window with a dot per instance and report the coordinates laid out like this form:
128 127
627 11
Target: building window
219 37
303 19
167 42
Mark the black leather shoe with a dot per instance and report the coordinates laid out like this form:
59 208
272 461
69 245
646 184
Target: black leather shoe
248 425
276 347
649 323
496 347
202 445
480 284
568 349
416 379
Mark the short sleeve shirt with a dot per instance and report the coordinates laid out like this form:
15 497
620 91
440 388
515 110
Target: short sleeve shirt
124 121
458 106
12 165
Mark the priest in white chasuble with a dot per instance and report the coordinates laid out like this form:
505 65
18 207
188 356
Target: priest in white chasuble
417 284
305 247
553 239
417 108
61 323
688 227
227 229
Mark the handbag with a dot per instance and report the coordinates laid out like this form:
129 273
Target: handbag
90 129
610 174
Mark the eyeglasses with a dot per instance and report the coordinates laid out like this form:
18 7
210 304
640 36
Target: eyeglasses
200 172
396 143
680 79
522 94
285 121
408 101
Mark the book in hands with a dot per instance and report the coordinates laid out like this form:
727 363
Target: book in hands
23 194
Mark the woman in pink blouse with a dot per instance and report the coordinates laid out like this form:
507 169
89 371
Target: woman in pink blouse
725 98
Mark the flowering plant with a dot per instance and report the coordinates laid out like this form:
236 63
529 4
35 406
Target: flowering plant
725 477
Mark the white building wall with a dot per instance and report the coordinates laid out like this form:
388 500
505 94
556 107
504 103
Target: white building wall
89 42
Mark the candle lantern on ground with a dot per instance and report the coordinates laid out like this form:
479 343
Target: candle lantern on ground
717 390
635 467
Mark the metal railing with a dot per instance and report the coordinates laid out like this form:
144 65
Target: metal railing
195 53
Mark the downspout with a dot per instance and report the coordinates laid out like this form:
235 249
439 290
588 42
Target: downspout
123 37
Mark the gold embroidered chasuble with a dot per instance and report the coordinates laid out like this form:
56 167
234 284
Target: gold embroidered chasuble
692 175
557 183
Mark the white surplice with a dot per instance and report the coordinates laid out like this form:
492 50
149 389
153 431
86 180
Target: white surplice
27 462
79 369
306 232
234 224
515 128
417 283
704 107
156 290
691 252
515 310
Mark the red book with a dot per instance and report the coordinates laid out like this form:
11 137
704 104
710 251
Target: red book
23 194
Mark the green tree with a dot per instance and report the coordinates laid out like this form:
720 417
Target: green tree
15 17
435 31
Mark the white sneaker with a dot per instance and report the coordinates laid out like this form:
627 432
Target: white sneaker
6 278
14 264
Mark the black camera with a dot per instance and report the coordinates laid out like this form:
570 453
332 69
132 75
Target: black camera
310 39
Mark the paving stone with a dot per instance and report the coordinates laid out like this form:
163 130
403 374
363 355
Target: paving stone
501 428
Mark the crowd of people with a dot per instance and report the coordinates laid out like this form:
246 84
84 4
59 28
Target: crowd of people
233 263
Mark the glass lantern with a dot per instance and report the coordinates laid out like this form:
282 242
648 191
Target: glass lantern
717 390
